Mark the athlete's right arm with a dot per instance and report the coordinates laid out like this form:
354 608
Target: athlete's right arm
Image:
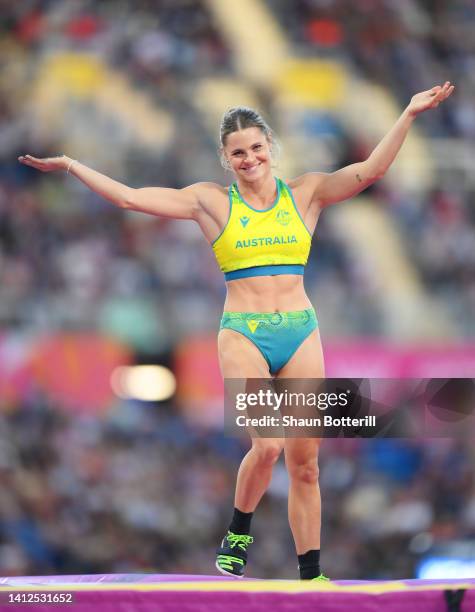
162 201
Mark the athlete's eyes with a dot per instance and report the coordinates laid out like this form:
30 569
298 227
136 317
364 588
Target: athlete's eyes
255 147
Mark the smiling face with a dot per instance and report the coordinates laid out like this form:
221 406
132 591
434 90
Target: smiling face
248 153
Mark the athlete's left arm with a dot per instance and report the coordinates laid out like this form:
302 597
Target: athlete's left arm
349 181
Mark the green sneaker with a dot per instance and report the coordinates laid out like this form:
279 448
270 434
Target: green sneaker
231 557
321 578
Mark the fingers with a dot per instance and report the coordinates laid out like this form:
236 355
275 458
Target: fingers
450 90
446 90
27 159
441 93
32 162
45 164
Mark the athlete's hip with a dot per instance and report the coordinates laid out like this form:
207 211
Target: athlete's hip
277 335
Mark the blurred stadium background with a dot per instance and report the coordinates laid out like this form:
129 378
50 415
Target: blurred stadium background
93 480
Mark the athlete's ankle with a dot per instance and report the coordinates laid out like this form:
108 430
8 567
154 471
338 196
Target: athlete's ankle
309 565
241 522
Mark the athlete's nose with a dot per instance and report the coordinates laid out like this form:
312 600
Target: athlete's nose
250 157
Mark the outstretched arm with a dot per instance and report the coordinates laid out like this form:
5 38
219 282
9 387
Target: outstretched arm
349 181
175 203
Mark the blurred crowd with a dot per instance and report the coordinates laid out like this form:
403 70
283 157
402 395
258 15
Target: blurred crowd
148 492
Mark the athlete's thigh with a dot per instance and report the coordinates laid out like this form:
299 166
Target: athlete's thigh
303 375
239 357
307 361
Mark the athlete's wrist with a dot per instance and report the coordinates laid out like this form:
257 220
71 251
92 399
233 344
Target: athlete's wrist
65 160
409 114
67 163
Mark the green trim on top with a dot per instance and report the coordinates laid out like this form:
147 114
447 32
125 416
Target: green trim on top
229 217
296 209
277 183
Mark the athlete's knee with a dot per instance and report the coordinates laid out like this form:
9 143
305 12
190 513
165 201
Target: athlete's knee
303 471
268 454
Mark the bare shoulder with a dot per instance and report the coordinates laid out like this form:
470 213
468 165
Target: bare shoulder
208 194
307 182
212 208
206 190
305 188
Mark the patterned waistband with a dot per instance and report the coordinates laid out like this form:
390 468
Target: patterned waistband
271 317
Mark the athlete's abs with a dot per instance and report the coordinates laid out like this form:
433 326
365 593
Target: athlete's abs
281 293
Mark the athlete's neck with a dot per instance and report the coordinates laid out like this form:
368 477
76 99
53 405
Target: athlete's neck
260 193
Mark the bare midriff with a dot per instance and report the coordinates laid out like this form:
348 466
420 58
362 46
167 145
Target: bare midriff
280 293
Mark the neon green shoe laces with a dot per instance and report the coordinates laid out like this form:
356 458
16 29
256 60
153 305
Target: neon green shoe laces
321 578
240 541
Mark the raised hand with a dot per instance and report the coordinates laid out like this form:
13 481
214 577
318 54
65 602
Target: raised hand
430 98
46 164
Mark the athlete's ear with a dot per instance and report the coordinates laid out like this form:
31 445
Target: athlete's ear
223 159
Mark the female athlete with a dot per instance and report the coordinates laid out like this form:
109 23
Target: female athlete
260 229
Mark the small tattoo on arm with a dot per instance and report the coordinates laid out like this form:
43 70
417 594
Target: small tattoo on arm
360 180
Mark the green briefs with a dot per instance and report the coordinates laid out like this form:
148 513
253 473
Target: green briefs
276 334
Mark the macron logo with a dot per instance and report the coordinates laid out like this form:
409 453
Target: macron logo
244 221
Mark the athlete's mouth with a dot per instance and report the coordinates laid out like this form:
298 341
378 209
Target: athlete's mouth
250 168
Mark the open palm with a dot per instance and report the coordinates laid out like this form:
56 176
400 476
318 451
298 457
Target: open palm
430 98
45 164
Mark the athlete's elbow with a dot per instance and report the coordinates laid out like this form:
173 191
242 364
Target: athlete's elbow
378 175
372 172
128 199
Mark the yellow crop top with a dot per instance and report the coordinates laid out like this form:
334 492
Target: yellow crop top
262 242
